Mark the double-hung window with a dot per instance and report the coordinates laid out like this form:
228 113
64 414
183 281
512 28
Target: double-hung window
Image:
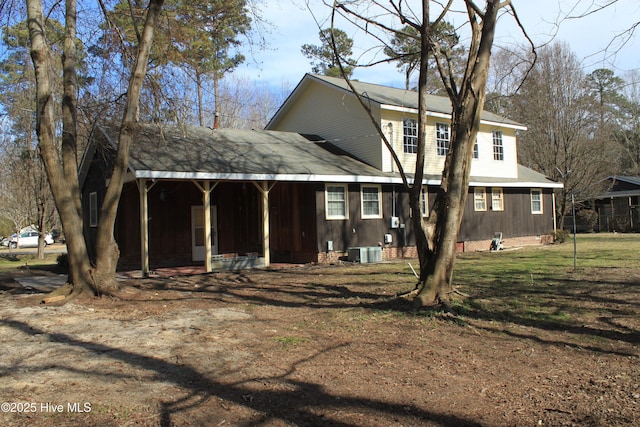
337 202
409 136
536 201
497 200
498 149
371 206
479 199
442 139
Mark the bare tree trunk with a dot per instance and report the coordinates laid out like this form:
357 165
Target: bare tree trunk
79 267
422 233
216 92
468 104
107 252
62 176
41 231
200 106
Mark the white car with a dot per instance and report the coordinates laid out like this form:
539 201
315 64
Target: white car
29 239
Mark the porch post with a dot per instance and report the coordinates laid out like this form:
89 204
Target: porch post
264 189
206 207
206 190
144 227
265 224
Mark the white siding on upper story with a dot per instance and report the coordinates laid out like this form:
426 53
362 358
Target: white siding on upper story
484 165
336 116
339 119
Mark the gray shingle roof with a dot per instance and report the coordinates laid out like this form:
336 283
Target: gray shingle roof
404 98
192 152
165 151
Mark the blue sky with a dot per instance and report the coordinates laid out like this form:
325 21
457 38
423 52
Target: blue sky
589 37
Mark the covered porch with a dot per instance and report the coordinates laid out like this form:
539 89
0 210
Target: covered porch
219 225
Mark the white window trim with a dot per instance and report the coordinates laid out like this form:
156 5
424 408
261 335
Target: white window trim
541 211
406 136
346 202
477 191
497 191
498 145
378 187
448 141
424 201
93 209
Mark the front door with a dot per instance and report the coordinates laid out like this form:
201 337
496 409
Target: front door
197 232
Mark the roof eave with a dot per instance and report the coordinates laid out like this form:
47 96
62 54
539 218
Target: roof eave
411 110
369 179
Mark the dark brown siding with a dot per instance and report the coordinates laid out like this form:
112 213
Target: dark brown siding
239 225
356 231
127 228
239 217
169 205
516 220
292 222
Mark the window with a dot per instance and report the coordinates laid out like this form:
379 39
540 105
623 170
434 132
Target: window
370 196
424 201
497 203
93 209
336 199
536 201
498 149
442 139
476 151
409 136
479 199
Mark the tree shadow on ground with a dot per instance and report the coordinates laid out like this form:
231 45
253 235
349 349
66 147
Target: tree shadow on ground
581 307
562 304
302 402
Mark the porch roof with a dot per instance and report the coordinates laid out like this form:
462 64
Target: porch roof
163 151
191 152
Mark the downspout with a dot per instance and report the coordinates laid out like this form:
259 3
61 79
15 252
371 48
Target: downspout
630 213
390 126
555 221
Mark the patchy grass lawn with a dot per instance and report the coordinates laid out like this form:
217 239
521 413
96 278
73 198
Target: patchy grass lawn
10 262
535 343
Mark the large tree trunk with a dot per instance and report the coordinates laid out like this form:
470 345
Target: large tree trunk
107 252
62 174
448 208
64 191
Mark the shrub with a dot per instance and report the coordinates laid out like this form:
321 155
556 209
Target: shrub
560 236
587 218
63 262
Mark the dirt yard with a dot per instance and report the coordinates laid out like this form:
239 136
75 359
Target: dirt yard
319 346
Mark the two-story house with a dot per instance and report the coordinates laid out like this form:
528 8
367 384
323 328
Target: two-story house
318 184
504 196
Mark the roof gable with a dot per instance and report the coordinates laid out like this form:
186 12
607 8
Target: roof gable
384 96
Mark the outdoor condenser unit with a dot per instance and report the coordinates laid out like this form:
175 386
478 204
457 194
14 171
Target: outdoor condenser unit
365 254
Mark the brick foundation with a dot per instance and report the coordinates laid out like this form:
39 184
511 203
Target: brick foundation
392 253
